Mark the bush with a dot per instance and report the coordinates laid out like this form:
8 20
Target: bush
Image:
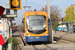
15 43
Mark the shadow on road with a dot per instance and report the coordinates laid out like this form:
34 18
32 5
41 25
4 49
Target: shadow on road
16 36
38 43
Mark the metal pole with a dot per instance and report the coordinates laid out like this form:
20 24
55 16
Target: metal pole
0 47
49 25
9 46
55 24
8 34
15 12
74 10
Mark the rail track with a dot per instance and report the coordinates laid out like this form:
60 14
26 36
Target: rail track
59 40
34 44
44 45
38 45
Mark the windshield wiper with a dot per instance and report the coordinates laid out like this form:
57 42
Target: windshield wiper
30 31
30 28
44 28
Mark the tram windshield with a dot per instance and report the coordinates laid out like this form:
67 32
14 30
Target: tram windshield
36 24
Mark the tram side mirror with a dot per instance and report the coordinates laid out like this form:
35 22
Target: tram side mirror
23 20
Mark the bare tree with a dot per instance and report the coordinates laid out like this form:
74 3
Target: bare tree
54 10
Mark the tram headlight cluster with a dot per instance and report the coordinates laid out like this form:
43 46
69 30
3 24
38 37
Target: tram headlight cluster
46 34
28 35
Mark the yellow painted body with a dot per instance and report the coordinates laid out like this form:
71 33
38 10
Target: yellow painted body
35 13
15 3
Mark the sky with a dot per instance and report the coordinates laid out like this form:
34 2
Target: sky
37 4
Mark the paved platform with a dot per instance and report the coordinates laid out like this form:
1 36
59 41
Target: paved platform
40 47
61 46
50 47
28 48
65 36
17 36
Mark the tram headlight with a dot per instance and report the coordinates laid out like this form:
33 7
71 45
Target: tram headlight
46 34
28 35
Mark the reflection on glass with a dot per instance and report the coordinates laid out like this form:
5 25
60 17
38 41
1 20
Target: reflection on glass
36 23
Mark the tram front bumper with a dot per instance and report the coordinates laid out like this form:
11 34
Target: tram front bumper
38 38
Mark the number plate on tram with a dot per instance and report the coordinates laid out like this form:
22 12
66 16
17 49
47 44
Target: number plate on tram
37 37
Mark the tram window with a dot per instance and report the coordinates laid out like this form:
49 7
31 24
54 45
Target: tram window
35 23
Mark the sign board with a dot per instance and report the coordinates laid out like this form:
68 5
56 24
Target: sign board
7 11
15 4
49 23
1 10
1 40
4 30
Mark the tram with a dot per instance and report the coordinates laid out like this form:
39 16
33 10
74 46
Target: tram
36 26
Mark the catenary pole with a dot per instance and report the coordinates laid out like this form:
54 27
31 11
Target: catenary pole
49 21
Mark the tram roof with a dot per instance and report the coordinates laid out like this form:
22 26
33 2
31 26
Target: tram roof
35 13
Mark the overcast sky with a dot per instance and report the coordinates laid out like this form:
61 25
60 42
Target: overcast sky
38 4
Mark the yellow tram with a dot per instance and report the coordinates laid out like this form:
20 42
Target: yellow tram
36 26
